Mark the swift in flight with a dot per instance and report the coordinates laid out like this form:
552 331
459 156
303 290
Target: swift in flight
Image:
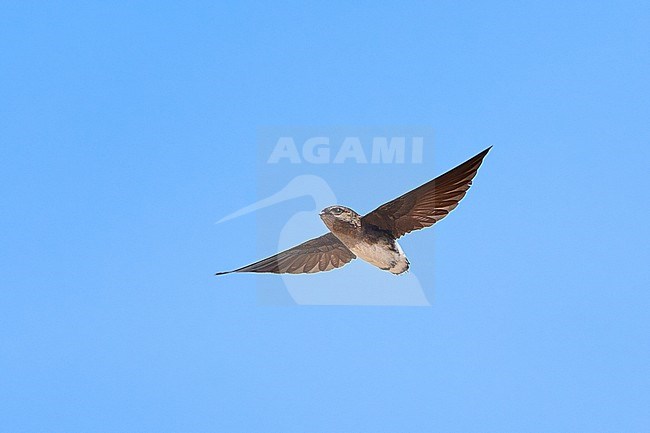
373 237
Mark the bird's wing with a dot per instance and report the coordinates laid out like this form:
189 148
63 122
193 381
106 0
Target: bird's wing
426 204
323 253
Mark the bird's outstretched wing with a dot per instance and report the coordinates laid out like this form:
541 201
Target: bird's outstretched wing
426 204
323 253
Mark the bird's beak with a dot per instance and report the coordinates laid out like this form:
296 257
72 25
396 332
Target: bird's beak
289 192
298 187
276 198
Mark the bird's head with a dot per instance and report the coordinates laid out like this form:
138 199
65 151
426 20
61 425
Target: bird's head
340 216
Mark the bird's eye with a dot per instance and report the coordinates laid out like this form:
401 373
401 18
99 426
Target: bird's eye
337 210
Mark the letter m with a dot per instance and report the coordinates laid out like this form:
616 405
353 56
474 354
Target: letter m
386 152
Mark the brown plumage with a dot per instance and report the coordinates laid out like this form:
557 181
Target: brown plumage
426 204
373 237
323 253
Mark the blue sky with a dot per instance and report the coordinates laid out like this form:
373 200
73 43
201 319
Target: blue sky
128 129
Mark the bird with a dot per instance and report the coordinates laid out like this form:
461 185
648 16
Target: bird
373 237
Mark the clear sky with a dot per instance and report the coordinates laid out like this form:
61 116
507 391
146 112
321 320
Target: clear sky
127 130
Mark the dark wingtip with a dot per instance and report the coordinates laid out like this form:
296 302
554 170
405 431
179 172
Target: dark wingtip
222 273
479 156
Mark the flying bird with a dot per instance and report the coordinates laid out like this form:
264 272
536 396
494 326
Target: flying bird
373 237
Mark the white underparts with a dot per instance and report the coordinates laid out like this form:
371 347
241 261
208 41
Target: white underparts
387 257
